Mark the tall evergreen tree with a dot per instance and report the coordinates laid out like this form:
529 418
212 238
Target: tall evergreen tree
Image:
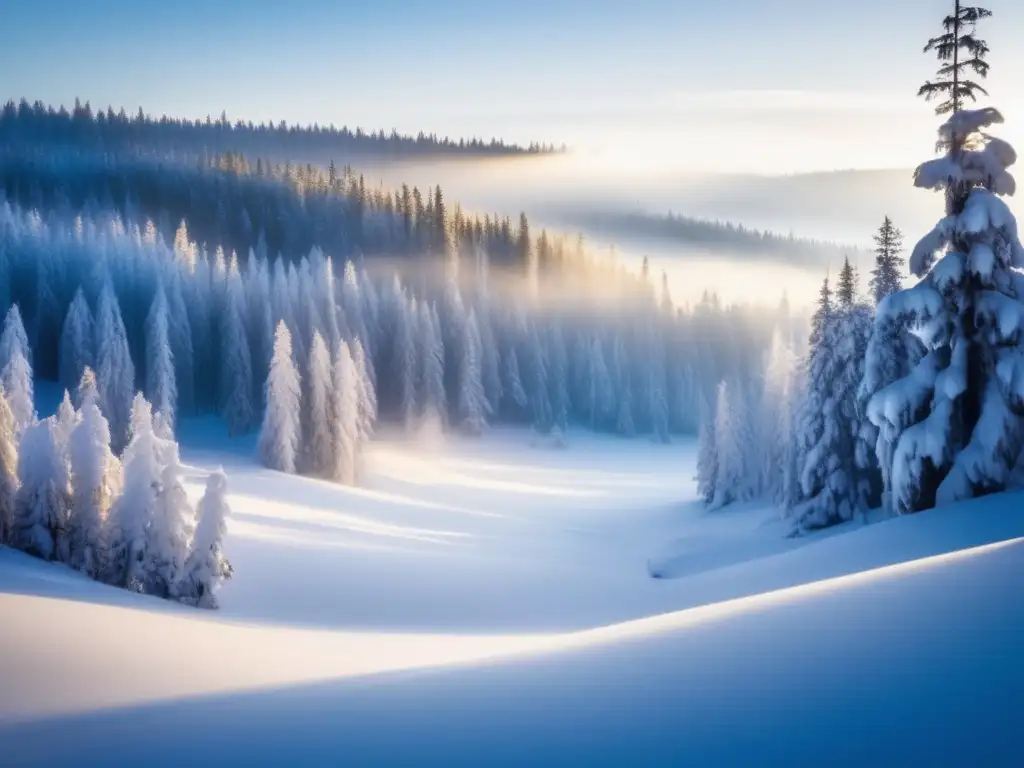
886 277
115 372
956 418
346 432
319 445
207 566
281 431
960 53
95 479
43 497
8 469
76 342
161 383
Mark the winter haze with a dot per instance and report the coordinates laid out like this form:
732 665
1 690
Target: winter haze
544 383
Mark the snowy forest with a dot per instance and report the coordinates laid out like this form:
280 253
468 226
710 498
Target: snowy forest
110 131
907 398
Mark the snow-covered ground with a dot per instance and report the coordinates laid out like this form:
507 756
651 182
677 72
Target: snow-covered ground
489 602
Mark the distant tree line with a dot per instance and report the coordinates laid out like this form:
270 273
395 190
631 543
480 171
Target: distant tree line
109 131
714 236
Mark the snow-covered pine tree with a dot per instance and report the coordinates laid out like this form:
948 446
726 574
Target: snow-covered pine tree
404 359
43 497
161 383
472 399
319 445
707 455
281 430
892 353
435 403
13 337
76 342
235 359
957 415
180 334
16 370
115 372
94 479
834 484
732 444
169 530
207 567
132 511
8 469
346 413
887 276
366 394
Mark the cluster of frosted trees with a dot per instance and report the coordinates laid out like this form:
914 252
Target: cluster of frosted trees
317 424
195 330
918 402
120 517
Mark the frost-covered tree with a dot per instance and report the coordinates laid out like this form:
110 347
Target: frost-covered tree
707 457
8 469
13 337
43 497
319 447
115 372
432 360
132 511
76 341
345 414
955 420
95 479
404 358
281 430
161 384
207 567
235 359
732 445
472 402
887 276
16 370
169 531
365 393
834 482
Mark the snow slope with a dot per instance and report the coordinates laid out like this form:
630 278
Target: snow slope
489 602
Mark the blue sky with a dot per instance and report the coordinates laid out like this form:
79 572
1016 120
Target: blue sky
655 76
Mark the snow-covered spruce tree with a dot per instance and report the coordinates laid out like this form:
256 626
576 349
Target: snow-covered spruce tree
281 430
207 567
16 370
432 362
115 372
8 469
403 368
94 479
161 384
13 337
366 393
834 485
892 353
76 342
345 415
956 418
733 441
169 531
132 512
180 334
235 359
472 399
707 456
44 495
319 445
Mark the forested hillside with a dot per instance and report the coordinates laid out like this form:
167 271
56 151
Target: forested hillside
109 131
